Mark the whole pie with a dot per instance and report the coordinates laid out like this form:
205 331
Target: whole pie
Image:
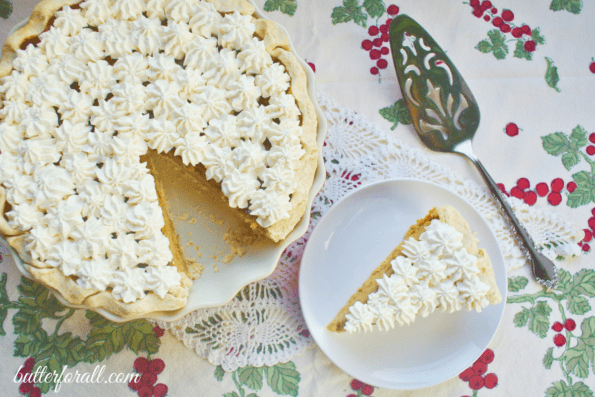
93 92
438 266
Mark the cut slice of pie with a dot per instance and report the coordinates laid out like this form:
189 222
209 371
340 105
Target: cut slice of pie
438 266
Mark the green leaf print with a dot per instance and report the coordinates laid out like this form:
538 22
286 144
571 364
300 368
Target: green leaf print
551 74
285 6
578 305
251 377
548 359
520 52
584 281
283 378
219 373
585 190
496 44
5 8
537 318
537 37
564 281
556 143
396 113
515 284
573 6
561 389
374 8
350 11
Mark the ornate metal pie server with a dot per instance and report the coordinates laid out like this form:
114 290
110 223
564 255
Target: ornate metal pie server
446 116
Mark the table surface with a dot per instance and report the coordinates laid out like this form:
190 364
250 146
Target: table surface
537 137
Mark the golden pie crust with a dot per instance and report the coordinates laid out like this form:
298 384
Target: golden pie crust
277 45
446 214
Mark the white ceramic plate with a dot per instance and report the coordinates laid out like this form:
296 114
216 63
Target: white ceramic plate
352 239
221 282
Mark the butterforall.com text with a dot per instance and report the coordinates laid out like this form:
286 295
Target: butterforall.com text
42 375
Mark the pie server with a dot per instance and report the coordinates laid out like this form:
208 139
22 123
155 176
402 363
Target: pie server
446 116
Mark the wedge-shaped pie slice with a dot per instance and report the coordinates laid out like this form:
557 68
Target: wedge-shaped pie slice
438 266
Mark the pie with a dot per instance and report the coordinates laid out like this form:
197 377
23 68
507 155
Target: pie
438 266
94 92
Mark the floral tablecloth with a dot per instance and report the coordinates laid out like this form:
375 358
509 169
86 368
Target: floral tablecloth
531 67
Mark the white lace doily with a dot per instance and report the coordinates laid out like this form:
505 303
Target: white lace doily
263 324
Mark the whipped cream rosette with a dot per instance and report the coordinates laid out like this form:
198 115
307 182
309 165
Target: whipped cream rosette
438 266
105 85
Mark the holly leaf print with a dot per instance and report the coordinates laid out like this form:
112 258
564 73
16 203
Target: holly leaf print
283 378
537 318
374 8
350 11
496 44
5 8
520 52
556 143
551 74
573 6
285 6
515 284
219 373
396 113
251 377
577 358
35 303
561 389
585 190
548 359
578 305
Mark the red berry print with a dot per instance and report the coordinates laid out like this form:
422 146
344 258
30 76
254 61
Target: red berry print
375 54
516 192
467 374
558 326
542 189
480 368
486 18
156 366
591 222
586 247
557 185
160 390
487 356
530 198
502 188
554 198
474 3
35 392
392 10
478 12
141 365
526 30
148 378
367 45
378 42
523 183
383 28
491 381
505 28
570 186
373 30
367 390
476 382
356 384
497 22
588 235
486 4
157 330
517 32
511 129
507 15
592 67
29 364
559 340
570 325
382 64
590 150
135 384
374 71
145 391
592 137
494 10
384 50
25 388
529 46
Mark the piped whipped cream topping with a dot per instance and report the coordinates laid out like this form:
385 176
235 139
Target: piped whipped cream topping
111 79
434 272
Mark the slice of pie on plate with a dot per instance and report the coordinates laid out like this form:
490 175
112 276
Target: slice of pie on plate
93 91
438 266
